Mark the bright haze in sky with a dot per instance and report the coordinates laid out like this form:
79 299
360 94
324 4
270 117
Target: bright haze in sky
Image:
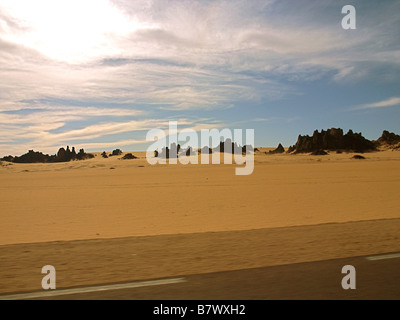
98 74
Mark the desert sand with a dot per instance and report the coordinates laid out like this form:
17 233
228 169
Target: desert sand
109 220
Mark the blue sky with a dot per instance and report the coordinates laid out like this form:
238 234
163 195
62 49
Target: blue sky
99 74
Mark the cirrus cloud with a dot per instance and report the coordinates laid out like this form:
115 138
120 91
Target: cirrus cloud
86 70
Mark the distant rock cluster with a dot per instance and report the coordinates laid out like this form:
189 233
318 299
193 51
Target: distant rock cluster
233 147
332 140
118 152
320 143
224 147
63 155
66 155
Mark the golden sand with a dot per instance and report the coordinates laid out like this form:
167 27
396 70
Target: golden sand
136 221
109 198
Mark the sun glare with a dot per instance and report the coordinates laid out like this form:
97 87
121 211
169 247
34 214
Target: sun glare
69 30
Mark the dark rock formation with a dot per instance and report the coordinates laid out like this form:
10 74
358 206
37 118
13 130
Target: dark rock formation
82 155
63 155
116 152
8 159
168 152
164 153
104 155
129 156
224 147
232 147
358 157
388 140
279 149
189 152
332 140
32 157
246 149
227 146
291 149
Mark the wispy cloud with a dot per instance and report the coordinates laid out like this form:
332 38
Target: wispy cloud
46 131
46 126
392 102
158 57
186 53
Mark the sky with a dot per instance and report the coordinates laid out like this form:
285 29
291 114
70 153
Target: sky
99 74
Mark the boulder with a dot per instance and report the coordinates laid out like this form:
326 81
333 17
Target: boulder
116 152
129 156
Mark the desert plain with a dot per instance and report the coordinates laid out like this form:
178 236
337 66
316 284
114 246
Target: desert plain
109 220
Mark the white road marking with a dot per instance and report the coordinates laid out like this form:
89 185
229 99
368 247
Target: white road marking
384 256
62 292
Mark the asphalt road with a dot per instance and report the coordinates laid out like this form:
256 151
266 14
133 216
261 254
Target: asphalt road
377 277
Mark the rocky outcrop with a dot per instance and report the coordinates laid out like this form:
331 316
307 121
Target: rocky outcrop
233 147
228 147
278 150
63 155
166 152
33 157
8 159
224 147
82 155
332 140
129 156
116 152
388 140
246 149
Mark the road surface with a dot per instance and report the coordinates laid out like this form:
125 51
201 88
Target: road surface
376 277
